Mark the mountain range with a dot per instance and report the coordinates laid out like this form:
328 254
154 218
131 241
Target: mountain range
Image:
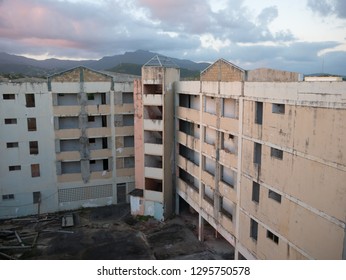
129 63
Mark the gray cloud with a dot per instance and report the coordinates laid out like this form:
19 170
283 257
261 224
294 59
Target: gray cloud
171 27
328 7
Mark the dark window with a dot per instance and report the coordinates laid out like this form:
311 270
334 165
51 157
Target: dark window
10 121
253 229
104 121
32 124
103 98
259 112
30 100
257 153
278 108
7 196
12 145
14 168
104 143
274 195
36 196
91 96
129 162
129 141
127 97
91 118
273 237
8 96
276 153
92 140
105 164
255 192
92 161
33 145
35 170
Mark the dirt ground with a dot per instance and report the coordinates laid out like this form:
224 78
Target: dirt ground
108 233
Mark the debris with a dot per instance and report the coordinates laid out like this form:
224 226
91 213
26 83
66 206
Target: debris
67 220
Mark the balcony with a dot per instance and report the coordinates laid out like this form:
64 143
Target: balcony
154 173
153 149
230 125
98 132
71 177
153 99
209 150
124 131
125 172
189 166
228 159
100 175
73 133
188 140
187 192
98 109
153 125
66 111
209 119
153 195
125 152
124 109
68 156
208 179
188 114
100 154
227 192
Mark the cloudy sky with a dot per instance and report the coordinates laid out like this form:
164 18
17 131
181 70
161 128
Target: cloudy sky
306 36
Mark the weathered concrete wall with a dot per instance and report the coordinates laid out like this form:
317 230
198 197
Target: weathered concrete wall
271 75
223 71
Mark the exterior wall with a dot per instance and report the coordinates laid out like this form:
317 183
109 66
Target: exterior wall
85 157
20 183
300 212
271 75
224 71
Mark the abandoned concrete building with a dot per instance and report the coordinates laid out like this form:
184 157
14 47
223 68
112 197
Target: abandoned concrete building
259 155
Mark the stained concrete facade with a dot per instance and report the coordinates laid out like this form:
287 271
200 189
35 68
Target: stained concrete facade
263 162
154 139
74 148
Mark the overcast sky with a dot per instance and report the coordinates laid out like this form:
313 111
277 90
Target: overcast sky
306 36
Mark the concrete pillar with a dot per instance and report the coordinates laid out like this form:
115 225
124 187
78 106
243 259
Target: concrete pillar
200 228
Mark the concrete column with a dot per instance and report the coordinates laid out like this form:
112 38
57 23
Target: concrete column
200 228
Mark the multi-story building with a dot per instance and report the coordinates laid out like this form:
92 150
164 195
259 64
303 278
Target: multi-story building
154 139
260 156
66 143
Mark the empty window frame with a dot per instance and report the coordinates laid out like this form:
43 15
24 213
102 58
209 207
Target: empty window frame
8 96
33 147
129 141
8 196
258 112
257 153
14 168
30 100
92 140
129 162
255 192
274 195
91 96
11 121
253 229
127 97
272 237
31 124
91 118
12 145
35 170
36 197
276 153
278 108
